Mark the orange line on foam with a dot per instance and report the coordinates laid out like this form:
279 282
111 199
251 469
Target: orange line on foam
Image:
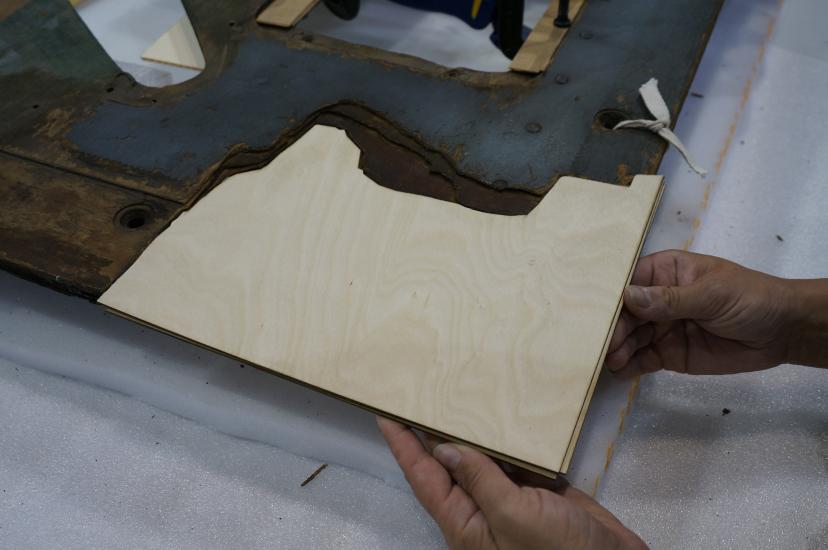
731 131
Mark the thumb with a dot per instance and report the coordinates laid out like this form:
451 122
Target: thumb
489 487
668 303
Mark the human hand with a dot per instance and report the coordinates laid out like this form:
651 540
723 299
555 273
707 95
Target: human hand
477 506
701 315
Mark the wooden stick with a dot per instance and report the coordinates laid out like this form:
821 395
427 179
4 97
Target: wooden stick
536 53
285 13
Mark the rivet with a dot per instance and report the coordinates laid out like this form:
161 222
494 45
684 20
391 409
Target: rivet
561 78
586 35
533 127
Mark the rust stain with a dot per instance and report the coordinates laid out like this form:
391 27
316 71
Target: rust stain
610 451
8 7
458 153
56 123
622 417
622 174
731 131
595 486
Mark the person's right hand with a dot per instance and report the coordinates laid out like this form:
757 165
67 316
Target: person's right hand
701 315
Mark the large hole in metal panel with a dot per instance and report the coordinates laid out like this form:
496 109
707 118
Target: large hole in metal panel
150 39
437 37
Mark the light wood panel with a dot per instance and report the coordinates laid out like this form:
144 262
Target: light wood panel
285 13
541 44
489 329
178 46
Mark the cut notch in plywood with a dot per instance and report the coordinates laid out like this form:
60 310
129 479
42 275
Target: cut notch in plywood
285 13
487 329
178 46
537 51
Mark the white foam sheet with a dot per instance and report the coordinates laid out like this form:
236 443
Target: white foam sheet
685 475
83 467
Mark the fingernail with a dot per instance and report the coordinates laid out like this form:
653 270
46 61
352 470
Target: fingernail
639 296
447 455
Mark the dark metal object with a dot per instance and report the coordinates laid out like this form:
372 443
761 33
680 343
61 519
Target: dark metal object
508 26
562 20
344 9
81 142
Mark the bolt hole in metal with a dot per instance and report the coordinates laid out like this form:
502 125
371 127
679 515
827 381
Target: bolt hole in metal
609 118
134 217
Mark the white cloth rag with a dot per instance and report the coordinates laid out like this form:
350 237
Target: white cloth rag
661 125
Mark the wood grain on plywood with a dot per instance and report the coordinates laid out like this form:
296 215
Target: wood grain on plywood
285 13
486 328
537 51
178 46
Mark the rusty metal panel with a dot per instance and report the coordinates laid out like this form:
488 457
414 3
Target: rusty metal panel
491 141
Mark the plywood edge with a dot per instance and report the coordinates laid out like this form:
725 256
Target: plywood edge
178 47
537 51
285 13
564 468
490 452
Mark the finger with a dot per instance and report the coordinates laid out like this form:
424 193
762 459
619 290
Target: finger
672 267
449 505
644 361
432 441
626 324
669 303
489 487
429 480
640 337
643 273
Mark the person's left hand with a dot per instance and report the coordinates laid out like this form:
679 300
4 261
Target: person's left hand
485 509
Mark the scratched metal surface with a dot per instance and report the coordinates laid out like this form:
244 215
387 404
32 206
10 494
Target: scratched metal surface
68 108
261 83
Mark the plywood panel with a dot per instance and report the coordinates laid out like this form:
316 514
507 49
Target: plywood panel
178 46
486 328
539 47
285 13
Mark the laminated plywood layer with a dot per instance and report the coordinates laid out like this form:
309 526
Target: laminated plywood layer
484 328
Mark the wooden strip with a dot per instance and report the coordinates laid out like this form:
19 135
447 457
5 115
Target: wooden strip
536 53
486 328
285 13
178 46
